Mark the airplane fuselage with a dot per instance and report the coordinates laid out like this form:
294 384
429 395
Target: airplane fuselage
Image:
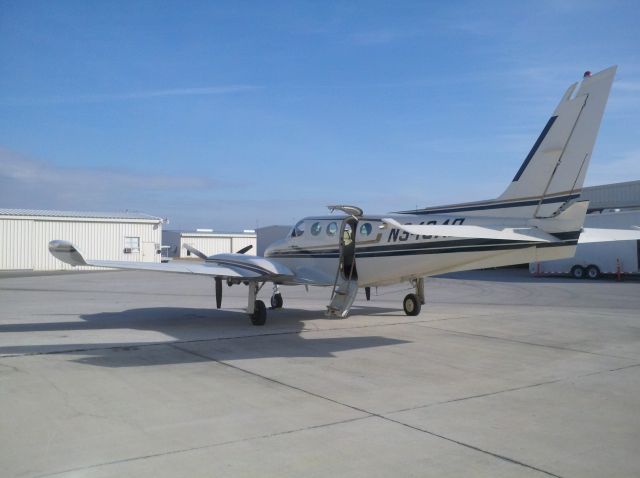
383 255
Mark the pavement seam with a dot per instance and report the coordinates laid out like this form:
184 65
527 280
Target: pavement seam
203 447
369 413
515 389
523 342
472 447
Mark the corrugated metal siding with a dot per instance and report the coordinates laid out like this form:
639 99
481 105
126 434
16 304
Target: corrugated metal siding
238 243
618 195
207 245
15 252
96 240
26 244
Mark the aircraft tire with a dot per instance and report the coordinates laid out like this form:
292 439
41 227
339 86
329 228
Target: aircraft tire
578 272
259 316
593 272
276 301
411 305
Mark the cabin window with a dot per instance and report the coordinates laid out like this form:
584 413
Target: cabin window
298 229
332 229
316 229
366 229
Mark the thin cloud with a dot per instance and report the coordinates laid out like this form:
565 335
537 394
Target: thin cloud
29 183
137 95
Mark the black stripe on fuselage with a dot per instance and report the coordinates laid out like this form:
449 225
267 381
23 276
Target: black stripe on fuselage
490 205
439 247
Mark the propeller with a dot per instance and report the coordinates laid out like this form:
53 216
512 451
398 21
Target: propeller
218 292
195 251
245 249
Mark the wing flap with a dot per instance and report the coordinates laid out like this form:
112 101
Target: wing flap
528 234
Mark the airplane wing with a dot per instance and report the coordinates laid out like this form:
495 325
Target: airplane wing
528 234
221 265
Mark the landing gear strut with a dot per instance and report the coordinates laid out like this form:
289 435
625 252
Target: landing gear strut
412 303
256 308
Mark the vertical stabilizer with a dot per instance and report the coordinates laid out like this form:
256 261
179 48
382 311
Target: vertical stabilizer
554 170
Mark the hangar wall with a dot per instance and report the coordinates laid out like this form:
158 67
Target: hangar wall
209 243
613 196
25 235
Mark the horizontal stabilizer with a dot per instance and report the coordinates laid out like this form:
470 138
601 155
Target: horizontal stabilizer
590 234
528 234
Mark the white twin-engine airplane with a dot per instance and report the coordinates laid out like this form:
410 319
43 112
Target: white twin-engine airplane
539 217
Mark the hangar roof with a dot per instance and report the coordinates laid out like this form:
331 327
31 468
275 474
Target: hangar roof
78 214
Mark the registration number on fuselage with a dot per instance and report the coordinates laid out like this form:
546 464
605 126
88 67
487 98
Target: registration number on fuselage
396 235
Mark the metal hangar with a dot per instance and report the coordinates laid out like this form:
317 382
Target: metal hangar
25 234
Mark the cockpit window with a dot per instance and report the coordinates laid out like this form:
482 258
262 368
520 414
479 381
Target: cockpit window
316 228
365 229
298 229
332 229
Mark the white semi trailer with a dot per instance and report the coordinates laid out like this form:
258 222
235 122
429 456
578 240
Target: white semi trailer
596 258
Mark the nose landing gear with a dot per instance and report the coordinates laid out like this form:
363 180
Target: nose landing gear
276 298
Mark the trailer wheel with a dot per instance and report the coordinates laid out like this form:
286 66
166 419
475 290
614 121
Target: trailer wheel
593 272
578 272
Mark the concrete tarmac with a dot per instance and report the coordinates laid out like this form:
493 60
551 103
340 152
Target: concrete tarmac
137 374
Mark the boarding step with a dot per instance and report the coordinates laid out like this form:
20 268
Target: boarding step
343 297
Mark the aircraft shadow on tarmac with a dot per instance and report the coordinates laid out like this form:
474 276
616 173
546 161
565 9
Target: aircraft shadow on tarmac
194 335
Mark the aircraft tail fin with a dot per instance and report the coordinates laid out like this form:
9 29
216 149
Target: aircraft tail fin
550 178
554 170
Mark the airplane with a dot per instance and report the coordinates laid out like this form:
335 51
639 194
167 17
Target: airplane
538 217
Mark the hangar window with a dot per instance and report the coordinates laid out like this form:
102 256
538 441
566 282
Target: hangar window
132 244
298 229
365 229
316 228
332 229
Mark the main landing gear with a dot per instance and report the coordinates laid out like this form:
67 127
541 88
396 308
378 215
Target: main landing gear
256 309
259 315
412 303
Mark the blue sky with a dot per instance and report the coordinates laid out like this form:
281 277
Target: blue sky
233 115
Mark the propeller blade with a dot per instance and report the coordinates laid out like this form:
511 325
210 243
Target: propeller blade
245 249
218 292
195 251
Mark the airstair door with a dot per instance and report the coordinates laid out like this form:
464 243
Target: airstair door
345 286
